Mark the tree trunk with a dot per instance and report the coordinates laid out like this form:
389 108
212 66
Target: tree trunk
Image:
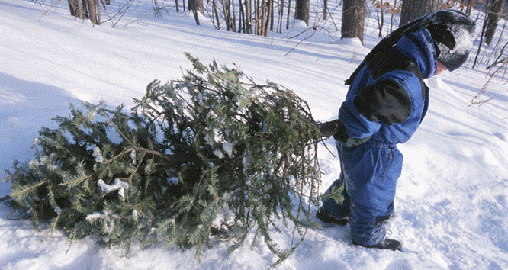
233 20
196 5
76 8
302 10
248 16
85 9
263 11
325 9
468 5
241 17
469 8
494 14
271 14
353 18
289 12
396 6
482 35
269 17
214 4
381 19
281 15
414 9
257 10
94 11
227 14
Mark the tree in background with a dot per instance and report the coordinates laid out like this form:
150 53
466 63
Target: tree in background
386 7
413 9
493 13
353 18
495 10
85 9
325 9
302 10
196 6
468 4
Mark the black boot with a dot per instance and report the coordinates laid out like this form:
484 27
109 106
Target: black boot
326 217
391 244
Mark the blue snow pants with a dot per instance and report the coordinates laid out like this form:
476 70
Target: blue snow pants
370 172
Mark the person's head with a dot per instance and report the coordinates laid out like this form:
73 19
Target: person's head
453 51
452 36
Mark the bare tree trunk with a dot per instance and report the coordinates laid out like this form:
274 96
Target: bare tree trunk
302 10
241 17
98 11
271 14
281 15
248 19
353 18
263 10
257 9
381 20
392 17
85 9
325 9
196 5
289 12
269 17
233 19
482 35
494 14
414 9
227 14
214 4
76 8
469 8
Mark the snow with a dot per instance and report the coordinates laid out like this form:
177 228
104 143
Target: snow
97 154
119 186
452 197
464 41
109 222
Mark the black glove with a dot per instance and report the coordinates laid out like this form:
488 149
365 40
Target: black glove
330 128
336 129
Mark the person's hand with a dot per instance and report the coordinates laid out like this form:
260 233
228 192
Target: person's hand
329 128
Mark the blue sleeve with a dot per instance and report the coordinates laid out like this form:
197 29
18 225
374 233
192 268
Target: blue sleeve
357 125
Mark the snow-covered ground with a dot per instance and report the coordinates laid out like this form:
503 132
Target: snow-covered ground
452 197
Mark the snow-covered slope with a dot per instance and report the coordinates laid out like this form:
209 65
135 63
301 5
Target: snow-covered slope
452 197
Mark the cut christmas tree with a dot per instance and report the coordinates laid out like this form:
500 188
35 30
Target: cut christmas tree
213 155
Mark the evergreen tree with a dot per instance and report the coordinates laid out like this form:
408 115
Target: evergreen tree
212 155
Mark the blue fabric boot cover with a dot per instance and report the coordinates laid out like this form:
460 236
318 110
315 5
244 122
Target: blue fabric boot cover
371 171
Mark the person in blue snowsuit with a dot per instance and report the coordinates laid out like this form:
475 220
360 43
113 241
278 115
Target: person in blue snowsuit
386 102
